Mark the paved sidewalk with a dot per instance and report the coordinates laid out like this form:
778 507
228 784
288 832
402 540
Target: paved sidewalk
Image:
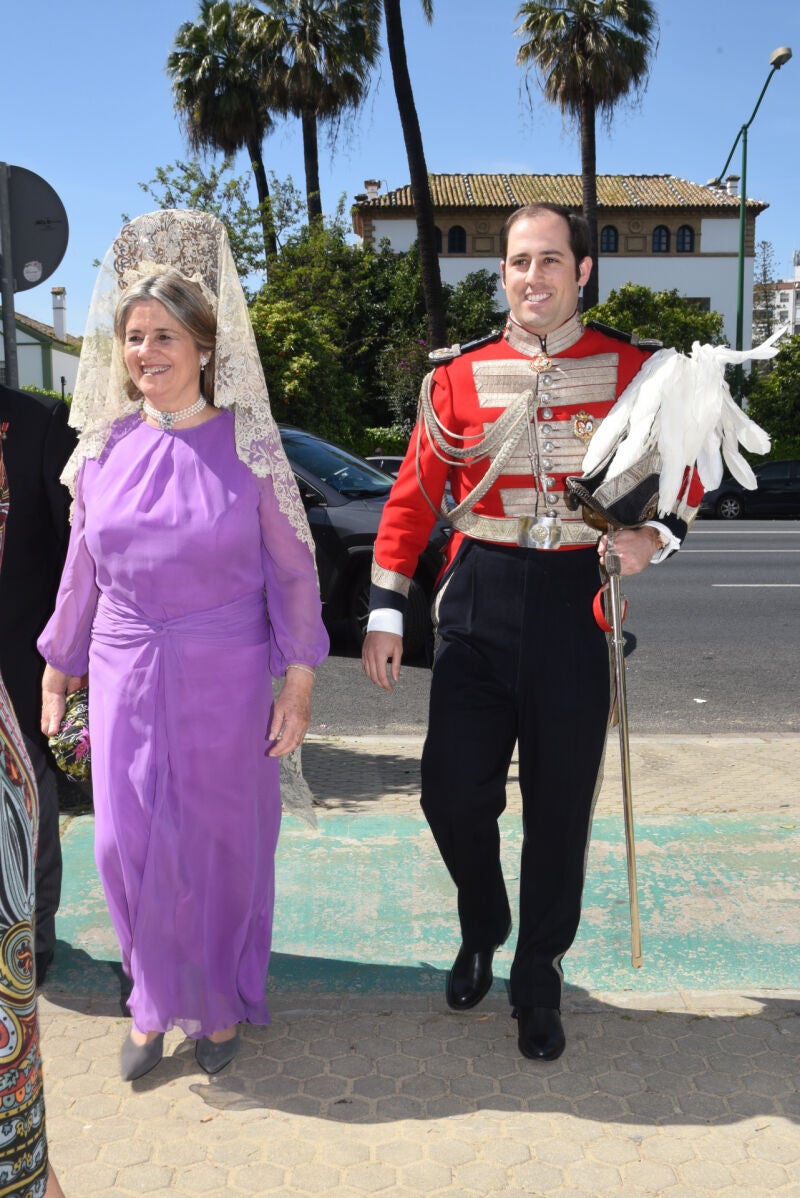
679 1079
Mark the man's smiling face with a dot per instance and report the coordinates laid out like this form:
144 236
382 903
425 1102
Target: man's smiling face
540 275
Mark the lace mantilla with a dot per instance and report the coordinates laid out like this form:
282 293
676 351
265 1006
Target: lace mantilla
195 244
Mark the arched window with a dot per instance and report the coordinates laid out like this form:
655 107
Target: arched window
684 241
661 239
456 240
438 240
609 240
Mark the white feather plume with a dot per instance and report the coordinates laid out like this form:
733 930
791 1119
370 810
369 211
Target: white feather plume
682 406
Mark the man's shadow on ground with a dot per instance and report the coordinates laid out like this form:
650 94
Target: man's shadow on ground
373 1043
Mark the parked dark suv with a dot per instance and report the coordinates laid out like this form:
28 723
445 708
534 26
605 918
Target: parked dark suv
344 496
777 494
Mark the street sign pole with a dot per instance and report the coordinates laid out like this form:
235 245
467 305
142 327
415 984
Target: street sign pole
7 283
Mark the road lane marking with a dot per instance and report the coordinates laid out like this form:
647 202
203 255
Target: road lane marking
727 531
739 551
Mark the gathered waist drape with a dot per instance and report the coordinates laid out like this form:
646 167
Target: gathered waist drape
240 623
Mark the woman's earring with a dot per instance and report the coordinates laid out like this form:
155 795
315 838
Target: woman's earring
204 361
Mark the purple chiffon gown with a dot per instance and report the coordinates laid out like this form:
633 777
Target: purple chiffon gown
185 590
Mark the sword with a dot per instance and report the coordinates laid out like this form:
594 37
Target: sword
613 568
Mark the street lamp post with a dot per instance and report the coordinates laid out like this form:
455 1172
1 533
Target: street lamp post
776 60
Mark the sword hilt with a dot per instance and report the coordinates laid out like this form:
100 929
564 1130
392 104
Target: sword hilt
612 562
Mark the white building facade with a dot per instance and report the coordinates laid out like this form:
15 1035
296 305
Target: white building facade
47 356
656 230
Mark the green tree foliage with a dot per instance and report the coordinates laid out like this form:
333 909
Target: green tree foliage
763 298
303 366
322 53
472 306
224 85
664 315
355 318
311 333
215 189
589 54
470 309
774 400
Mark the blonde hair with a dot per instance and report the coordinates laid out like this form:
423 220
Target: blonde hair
184 301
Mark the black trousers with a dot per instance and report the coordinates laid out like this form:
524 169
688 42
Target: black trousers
520 659
48 853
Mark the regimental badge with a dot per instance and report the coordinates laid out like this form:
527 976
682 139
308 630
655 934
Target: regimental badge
584 426
540 363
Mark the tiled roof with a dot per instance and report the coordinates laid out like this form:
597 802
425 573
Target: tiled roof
613 191
46 330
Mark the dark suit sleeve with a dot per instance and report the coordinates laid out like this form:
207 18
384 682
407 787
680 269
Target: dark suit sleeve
60 440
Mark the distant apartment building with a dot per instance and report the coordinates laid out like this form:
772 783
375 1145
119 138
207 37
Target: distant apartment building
657 230
786 300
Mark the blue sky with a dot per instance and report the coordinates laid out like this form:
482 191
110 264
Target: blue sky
88 106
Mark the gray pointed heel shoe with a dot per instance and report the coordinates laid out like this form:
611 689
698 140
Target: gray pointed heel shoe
137 1059
212 1057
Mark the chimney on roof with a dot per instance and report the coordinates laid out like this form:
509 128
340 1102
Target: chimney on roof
59 295
373 186
732 185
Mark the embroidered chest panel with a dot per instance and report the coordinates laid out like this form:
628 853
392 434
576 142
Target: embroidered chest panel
498 382
568 400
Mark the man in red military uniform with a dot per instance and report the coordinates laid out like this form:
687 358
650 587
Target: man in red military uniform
519 656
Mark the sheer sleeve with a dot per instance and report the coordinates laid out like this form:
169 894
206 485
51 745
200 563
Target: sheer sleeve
64 643
297 634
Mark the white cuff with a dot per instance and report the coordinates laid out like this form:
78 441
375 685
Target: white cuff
385 619
669 542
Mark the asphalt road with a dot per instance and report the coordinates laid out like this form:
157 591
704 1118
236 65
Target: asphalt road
712 645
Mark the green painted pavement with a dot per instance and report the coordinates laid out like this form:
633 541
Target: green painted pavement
364 904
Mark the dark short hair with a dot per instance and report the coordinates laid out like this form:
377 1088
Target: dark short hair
184 300
579 238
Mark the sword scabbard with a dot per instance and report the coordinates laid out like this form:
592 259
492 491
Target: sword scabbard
613 569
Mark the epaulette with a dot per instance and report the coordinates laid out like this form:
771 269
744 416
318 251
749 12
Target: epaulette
438 357
629 338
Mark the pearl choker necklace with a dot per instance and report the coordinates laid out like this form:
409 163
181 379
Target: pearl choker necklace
168 420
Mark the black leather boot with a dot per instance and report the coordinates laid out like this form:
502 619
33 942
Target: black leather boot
541 1033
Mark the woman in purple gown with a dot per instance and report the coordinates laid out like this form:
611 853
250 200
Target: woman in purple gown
189 584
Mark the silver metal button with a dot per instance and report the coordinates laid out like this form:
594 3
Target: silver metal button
547 414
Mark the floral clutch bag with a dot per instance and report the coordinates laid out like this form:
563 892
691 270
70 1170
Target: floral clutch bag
70 745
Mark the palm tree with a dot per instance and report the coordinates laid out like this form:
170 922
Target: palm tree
223 91
325 51
588 54
418 170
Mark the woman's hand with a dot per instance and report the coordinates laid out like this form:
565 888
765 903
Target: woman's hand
55 688
291 714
